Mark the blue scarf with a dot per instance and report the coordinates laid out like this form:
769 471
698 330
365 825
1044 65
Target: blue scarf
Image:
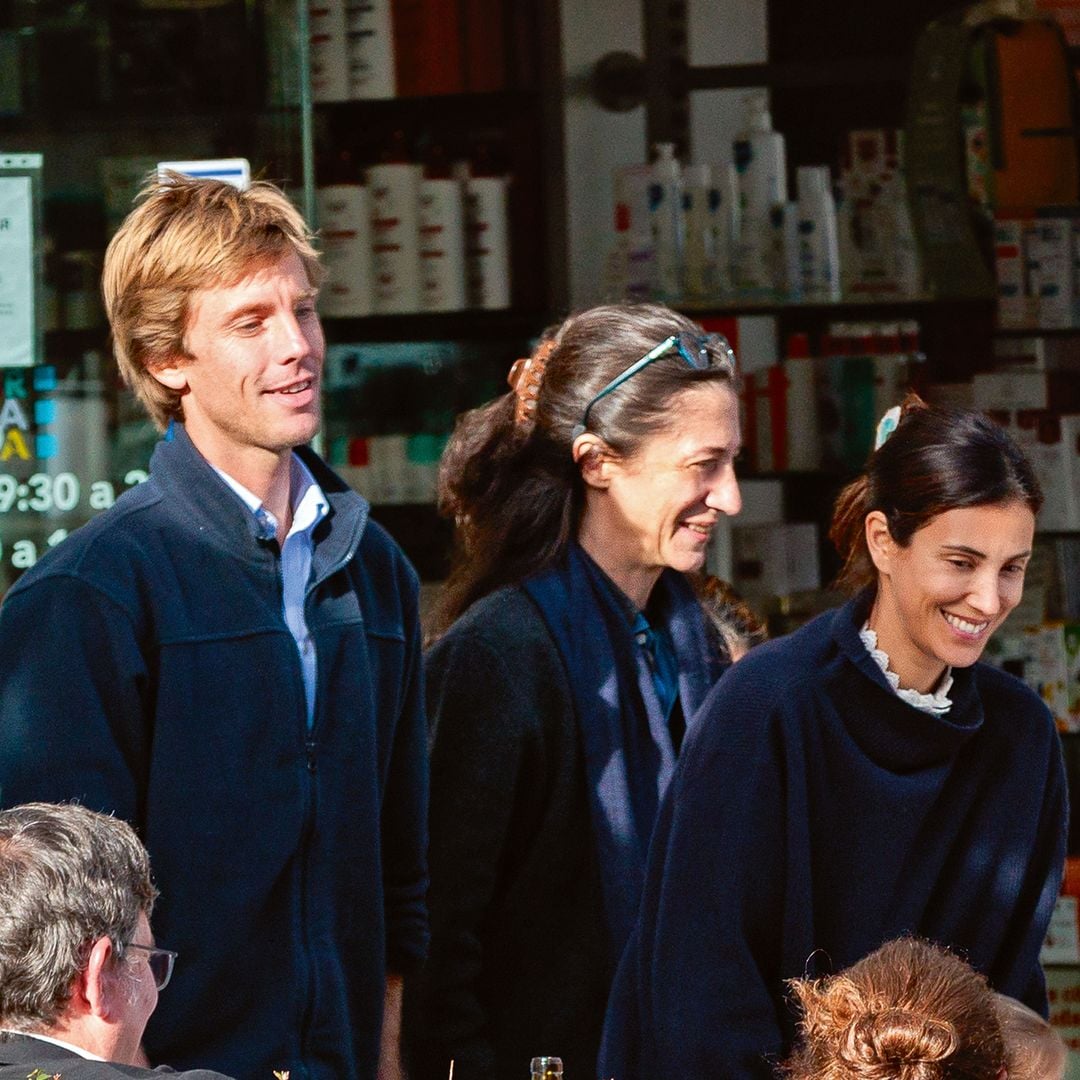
629 757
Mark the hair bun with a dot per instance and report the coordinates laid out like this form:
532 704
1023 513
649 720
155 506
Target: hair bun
897 1037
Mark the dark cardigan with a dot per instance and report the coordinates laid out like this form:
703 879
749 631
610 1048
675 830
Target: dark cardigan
813 816
518 965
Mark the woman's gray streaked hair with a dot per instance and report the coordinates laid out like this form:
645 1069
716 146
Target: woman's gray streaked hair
68 876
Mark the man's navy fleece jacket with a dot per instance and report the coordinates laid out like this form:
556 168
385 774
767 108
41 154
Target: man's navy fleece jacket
146 669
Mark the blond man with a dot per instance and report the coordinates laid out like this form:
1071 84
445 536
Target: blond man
229 659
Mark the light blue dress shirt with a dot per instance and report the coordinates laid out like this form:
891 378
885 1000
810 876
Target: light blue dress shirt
309 507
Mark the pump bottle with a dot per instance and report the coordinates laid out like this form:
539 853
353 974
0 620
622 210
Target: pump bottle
819 247
762 170
666 216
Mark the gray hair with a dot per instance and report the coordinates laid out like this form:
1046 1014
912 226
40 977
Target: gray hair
68 876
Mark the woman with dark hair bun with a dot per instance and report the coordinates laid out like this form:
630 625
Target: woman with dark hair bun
860 779
575 655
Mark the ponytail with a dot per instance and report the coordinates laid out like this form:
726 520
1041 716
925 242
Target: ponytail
507 492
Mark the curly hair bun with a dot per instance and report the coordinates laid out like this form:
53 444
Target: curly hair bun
897 1043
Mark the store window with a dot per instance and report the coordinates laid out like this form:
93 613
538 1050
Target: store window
92 96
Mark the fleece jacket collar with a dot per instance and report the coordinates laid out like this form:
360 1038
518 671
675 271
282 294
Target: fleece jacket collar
199 495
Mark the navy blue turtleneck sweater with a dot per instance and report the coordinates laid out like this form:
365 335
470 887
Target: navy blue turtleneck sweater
813 816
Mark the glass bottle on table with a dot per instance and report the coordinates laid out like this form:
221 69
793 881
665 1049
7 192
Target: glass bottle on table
546 1068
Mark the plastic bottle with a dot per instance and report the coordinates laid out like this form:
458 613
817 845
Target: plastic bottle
442 242
786 276
759 157
819 243
700 206
329 64
665 211
725 222
369 49
395 228
487 238
762 171
344 216
904 269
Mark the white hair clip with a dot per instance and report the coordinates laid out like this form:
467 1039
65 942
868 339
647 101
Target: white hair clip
886 426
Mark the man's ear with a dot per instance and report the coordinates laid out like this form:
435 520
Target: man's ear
594 458
171 372
879 541
96 985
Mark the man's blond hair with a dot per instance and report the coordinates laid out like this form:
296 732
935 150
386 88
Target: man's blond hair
188 234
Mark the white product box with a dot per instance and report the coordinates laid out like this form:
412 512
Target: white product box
1052 282
1006 390
762 504
1048 672
1014 302
1055 456
775 560
1037 353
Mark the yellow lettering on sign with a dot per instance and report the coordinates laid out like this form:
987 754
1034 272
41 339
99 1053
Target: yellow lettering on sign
14 446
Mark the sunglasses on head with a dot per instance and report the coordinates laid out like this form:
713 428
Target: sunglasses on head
698 350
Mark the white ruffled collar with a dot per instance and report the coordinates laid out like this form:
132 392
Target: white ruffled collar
937 703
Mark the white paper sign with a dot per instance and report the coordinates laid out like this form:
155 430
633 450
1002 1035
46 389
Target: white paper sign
235 171
16 272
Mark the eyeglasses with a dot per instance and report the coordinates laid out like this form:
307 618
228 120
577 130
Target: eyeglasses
697 350
160 960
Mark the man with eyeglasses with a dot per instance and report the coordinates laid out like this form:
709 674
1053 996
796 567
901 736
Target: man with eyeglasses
79 970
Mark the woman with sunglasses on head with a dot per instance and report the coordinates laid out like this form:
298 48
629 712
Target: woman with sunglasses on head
575 655
862 778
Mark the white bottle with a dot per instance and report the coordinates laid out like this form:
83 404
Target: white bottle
665 212
329 66
762 171
487 241
786 282
395 232
344 216
442 245
369 49
897 228
700 207
819 243
759 158
725 223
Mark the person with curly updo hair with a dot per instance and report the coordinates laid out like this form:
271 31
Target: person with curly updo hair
913 1010
573 658
863 778
910 1010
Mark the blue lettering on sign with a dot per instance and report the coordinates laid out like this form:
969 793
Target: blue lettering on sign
44 378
